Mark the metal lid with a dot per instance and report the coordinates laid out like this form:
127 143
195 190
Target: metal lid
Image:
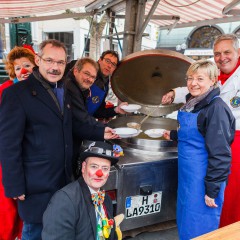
144 77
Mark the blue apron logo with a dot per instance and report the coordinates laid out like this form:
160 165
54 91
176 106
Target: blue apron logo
95 99
235 102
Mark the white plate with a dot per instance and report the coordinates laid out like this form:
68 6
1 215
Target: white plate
136 134
126 132
154 133
130 107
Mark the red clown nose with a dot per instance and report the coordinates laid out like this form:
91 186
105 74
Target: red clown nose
99 173
24 71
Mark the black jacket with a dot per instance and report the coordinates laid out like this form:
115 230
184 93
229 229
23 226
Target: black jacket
214 116
79 98
102 82
71 214
94 129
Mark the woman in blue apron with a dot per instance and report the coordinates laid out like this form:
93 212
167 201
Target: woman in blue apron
206 131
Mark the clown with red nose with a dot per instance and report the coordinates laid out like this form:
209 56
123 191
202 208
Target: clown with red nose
23 68
83 204
18 64
96 165
99 173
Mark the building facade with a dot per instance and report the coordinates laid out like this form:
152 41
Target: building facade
75 35
195 42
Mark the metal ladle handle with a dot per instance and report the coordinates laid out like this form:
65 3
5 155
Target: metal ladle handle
148 116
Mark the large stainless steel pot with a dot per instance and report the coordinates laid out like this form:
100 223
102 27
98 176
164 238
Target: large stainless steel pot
149 166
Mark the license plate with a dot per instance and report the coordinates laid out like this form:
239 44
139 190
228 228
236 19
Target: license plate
137 206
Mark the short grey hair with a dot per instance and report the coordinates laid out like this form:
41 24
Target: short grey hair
54 43
232 37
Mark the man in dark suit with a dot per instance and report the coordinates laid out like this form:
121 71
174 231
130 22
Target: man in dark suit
36 137
80 210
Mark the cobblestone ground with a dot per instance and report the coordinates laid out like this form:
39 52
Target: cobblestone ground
169 234
162 231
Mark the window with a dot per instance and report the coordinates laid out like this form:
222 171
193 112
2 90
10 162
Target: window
203 37
66 38
86 46
237 32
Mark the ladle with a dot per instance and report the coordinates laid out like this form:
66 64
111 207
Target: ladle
138 125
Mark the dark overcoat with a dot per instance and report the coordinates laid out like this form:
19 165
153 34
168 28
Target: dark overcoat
35 146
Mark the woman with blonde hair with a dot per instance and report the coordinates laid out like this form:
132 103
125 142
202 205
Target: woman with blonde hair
206 131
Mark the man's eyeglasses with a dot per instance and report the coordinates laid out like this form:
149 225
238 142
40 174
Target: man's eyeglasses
89 76
51 62
190 79
108 61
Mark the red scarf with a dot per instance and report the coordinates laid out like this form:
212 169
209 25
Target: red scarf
223 77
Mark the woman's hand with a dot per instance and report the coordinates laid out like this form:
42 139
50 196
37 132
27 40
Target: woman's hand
166 134
210 202
168 98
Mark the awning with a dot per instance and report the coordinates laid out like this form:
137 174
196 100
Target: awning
194 12
182 13
18 8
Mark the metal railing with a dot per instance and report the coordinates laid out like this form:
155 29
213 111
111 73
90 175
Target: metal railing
3 74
